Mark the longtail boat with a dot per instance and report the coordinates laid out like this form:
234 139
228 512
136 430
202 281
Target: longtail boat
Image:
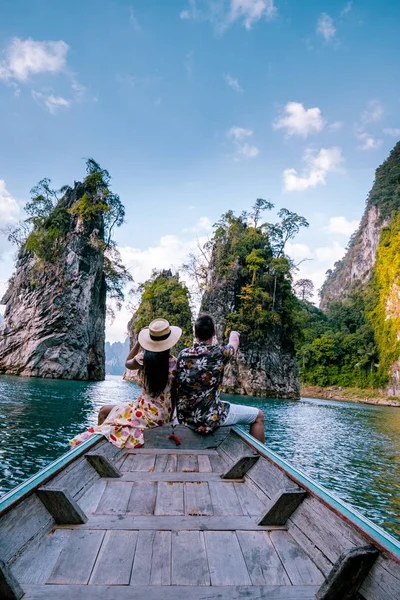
217 517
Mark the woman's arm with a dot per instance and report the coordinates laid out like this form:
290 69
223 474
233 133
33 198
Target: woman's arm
131 362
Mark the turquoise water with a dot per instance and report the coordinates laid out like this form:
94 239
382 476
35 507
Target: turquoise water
352 449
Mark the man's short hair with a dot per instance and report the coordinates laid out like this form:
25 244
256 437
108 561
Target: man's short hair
204 327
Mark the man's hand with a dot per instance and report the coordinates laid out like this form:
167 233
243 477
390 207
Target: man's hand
234 340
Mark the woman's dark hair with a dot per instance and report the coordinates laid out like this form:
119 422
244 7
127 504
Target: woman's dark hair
204 327
155 371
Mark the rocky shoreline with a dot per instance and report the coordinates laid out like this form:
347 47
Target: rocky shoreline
348 395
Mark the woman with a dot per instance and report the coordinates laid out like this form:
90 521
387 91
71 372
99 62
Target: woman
124 424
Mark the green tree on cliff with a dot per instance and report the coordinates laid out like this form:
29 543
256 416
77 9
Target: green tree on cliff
164 296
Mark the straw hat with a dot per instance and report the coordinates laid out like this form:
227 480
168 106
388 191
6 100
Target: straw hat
159 336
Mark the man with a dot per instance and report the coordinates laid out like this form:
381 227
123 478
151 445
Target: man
199 377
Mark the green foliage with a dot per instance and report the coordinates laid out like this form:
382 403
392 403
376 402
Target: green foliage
338 348
385 298
164 296
252 256
87 210
385 193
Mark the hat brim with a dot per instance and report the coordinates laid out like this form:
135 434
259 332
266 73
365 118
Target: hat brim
147 343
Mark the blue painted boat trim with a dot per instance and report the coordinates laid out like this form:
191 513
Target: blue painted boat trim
377 535
28 486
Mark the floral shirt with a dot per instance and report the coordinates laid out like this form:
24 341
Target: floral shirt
199 376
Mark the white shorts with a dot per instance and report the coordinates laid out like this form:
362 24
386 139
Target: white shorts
240 415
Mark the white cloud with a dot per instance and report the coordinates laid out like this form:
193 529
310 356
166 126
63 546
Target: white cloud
297 120
223 13
238 136
203 225
233 83
328 160
372 113
133 19
325 27
336 126
24 58
9 208
50 102
341 226
368 142
394 131
346 9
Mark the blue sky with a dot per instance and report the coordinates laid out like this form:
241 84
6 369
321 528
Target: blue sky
196 107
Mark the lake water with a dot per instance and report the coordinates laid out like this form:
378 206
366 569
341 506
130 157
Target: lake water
352 449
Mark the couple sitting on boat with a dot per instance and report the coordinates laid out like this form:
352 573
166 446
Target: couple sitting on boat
190 382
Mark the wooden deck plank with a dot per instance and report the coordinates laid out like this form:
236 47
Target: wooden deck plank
225 559
169 499
141 569
161 463
76 560
168 476
172 463
187 463
218 464
91 592
197 499
127 463
383 581
204 464
142 500
114 562
249 501
115 498
91 498
299 567
36 563
174 523
189 559
143 463
262 561
161 559
224 499
157 437
172 450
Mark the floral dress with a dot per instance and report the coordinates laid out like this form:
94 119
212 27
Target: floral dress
125 425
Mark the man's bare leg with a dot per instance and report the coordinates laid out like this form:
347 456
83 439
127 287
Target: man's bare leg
257 428
104 412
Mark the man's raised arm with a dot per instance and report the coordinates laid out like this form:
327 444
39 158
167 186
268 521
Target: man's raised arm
234 340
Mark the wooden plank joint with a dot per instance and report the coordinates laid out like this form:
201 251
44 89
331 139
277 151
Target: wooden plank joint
282 507
348 573
62 507
241 466
9 586
102 464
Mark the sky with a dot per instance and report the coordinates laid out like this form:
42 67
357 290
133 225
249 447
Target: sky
197 107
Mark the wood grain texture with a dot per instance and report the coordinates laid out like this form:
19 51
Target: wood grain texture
161 463
157 437
262 561
225 559
102 464
299 567
189 559
61 506
91 498
77 558
115 498
141 570
10 588
224 499
383 581
187 463
140 592
172 450
143 463
282 506
249 500
142 500
169 499
36 564
204 464
169 476
240 467
161 559
172 463
114 562
197 499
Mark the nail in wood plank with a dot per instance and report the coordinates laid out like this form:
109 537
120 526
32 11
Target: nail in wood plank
348 574
225 559
241 466
169 499
262 561
298 565
142 500
9 586
204 464
197 499
141 569
189 559
114 562
62 507
76 560
282 506
161 559
103 465
115 498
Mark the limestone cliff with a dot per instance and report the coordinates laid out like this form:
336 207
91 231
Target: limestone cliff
54 320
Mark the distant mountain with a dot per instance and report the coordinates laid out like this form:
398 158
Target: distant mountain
116 354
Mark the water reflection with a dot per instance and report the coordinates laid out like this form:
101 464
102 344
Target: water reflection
352 449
